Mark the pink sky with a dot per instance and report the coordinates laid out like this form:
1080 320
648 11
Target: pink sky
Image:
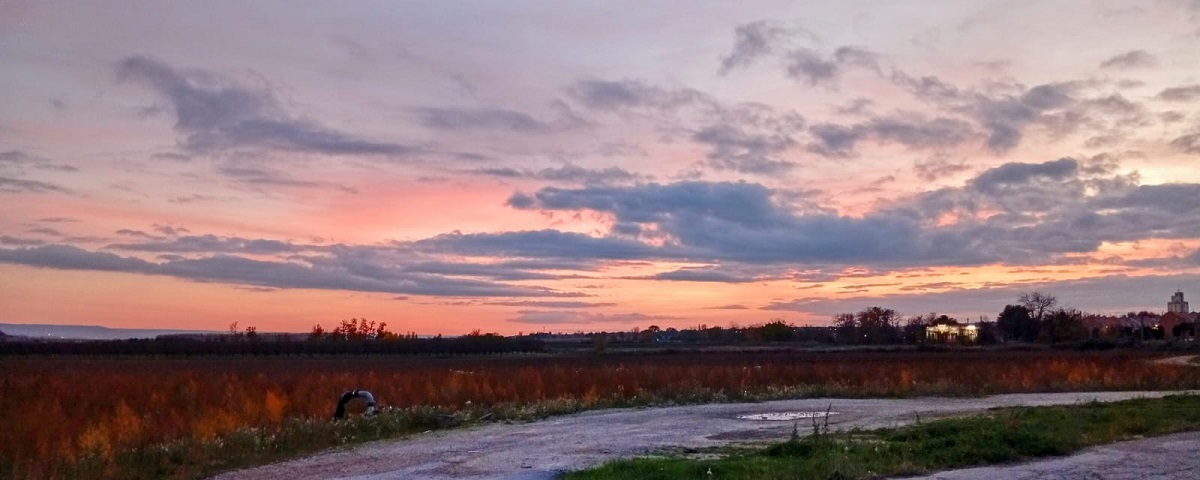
517 167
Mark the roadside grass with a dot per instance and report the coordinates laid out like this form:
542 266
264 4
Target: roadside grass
200 458
998 436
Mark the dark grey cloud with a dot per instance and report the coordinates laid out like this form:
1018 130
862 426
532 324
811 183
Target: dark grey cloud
20 242
811 67
833 140
1131 59
210 244
938 167
259 175
345 272
1017 175
1006 110
914 131
733 221
1006 117
736 149
1189 143
137 233
552 304
908 129
732 306
216 113
18 160
170 229
66 257
14 165
552 317
752 41
632 94
21 185
1014 213
499 272
537 244
479 119
703 274
1185 93
570 173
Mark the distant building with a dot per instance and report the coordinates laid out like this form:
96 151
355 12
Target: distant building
951 331
1177 304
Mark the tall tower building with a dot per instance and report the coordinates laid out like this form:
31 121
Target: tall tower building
1177 304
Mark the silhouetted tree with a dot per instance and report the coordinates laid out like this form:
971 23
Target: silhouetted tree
777 331
1063 325
1015 323
1038 303
877 325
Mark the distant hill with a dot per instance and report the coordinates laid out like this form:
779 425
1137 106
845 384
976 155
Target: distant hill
86 332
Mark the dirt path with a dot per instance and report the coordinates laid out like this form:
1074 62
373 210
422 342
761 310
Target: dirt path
540 450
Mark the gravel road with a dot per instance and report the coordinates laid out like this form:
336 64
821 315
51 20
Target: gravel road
539 450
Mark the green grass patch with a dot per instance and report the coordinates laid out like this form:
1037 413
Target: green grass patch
999 436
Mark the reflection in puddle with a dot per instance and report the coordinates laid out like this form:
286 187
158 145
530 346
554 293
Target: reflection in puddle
785 416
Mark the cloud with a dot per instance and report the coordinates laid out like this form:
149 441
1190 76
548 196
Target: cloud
1014 213
1131 59
939 167
908 129
732 306
1006 110
703 274
631 94
833 140
499 272
812 68
1188 143
479 119
552 304
566 173
216 113
13 167
20 185
1016 175
735 149
20 242
808 65
536 244
751 42
350 269
210 244
1185 93
551 317
259 175
16 159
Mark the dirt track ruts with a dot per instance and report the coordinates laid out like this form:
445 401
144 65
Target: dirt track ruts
540 450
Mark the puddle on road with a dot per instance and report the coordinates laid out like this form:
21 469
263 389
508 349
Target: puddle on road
785 416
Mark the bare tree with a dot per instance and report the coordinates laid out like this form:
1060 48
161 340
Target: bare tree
1038 303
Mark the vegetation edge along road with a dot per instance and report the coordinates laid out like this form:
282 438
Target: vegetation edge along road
999 436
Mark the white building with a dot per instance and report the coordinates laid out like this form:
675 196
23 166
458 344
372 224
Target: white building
1177 304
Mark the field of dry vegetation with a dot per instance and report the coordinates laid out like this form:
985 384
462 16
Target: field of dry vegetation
61 412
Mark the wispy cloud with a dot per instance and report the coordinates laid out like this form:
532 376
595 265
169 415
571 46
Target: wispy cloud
214 112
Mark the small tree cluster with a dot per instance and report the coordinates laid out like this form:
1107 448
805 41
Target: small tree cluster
352 329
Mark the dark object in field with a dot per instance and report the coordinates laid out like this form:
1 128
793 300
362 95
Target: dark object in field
351 395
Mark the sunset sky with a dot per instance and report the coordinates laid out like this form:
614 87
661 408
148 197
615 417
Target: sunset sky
582 166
